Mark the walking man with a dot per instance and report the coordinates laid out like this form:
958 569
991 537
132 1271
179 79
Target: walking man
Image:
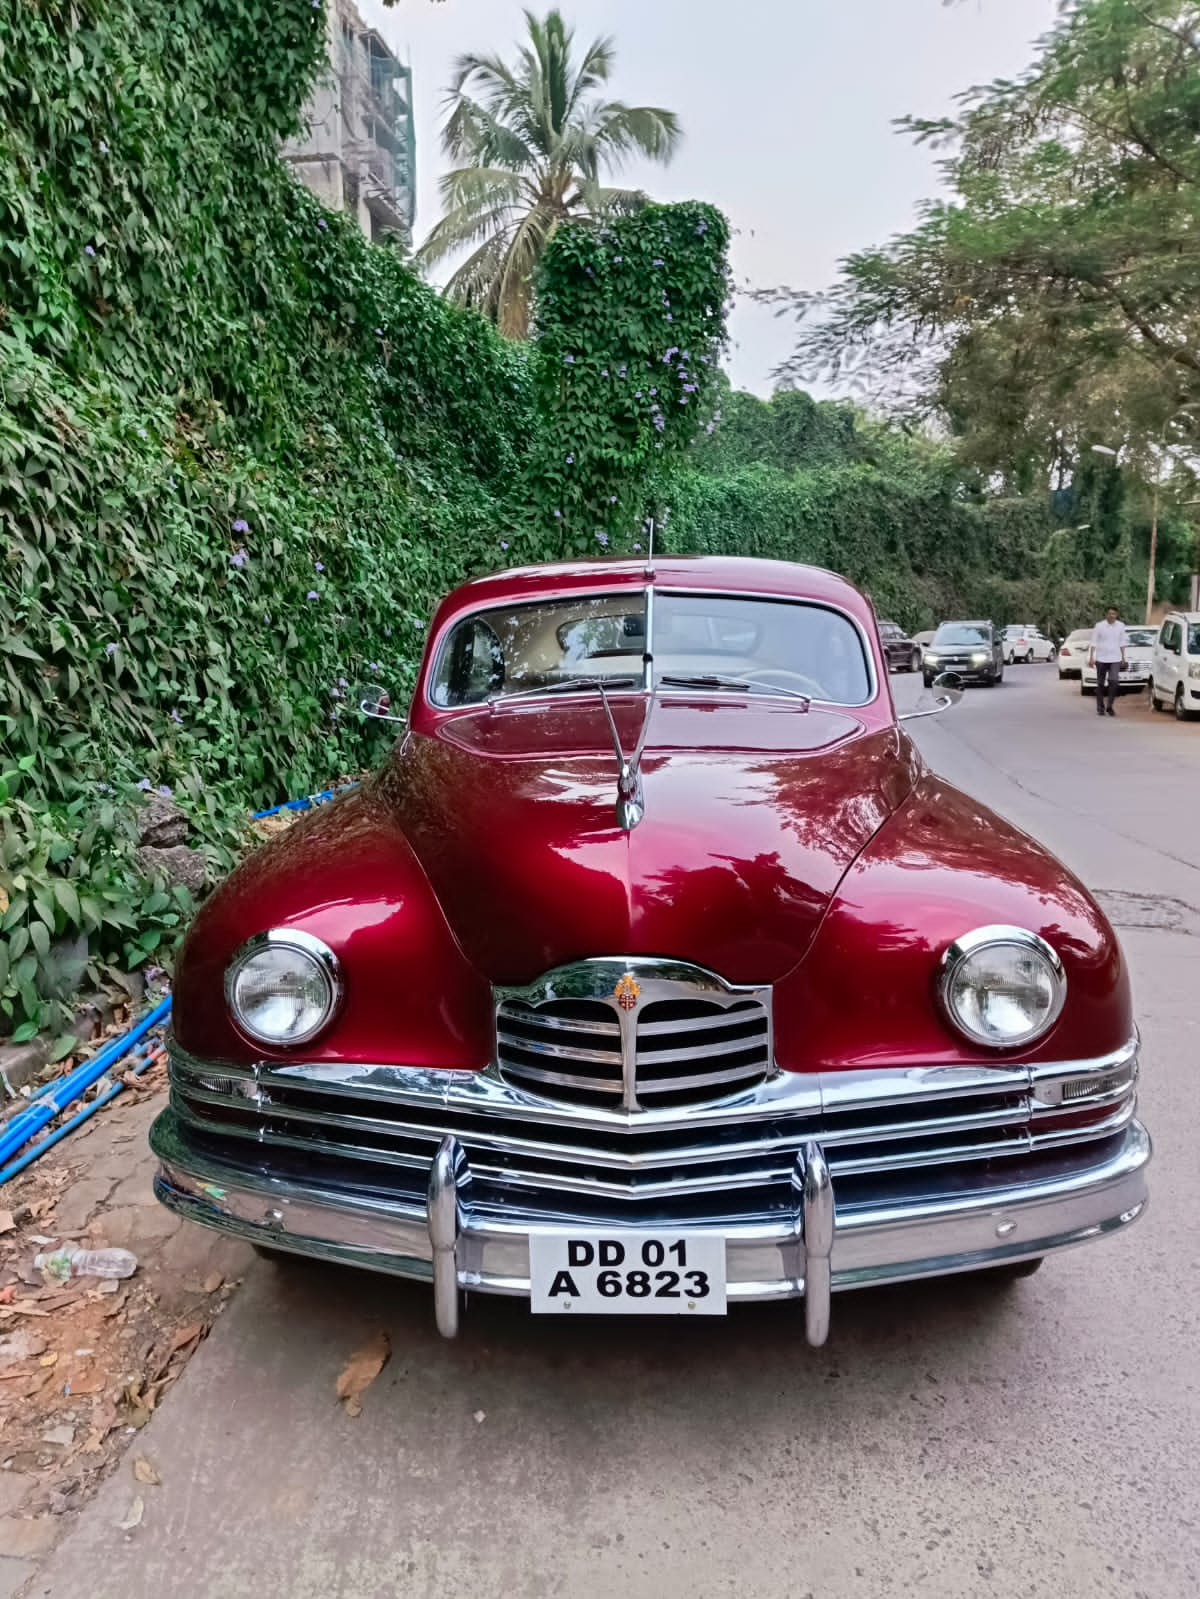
1107 653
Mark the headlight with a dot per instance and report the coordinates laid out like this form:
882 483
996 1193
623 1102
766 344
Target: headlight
1002 986
978 658
283 986
932 656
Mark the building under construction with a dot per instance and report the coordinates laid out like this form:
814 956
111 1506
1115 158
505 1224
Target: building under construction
358 153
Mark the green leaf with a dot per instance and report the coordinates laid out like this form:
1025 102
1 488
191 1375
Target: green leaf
40 938
23 1033
65 1044
67 897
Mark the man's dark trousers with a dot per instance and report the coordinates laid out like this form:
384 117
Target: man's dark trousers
1108 675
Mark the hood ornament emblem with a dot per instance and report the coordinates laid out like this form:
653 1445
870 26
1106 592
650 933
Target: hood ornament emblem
627 992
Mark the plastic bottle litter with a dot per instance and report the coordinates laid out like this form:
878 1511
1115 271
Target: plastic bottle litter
67 1262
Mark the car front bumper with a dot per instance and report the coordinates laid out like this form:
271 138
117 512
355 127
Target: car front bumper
1135 680
925 1220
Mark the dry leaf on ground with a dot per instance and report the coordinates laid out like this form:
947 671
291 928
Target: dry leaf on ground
133 1516
145 1473
361 1371
213 1282
6 1221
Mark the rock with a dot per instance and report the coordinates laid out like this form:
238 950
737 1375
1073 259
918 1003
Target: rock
61 1437
178 864
74 1209
162 824
20 1063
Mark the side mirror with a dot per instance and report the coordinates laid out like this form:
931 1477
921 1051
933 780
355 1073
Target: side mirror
375 701
947 690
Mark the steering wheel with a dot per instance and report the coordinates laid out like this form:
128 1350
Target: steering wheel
806 685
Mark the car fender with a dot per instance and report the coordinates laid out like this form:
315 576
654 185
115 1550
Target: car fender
943 865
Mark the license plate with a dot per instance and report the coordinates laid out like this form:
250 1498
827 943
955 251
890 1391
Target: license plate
627 1273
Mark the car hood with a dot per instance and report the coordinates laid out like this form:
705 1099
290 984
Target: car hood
753 813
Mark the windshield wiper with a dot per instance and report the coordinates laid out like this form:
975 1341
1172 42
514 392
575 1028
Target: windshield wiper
564 683
716 680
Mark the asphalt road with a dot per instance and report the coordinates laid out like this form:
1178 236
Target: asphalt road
952 1440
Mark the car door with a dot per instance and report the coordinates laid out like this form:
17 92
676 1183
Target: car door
1168 660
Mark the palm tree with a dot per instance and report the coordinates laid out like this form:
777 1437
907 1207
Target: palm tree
533 141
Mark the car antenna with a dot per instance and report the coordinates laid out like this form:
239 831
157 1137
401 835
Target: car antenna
649 571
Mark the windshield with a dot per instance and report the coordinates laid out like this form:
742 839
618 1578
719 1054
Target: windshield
547 645
1143 637
962 633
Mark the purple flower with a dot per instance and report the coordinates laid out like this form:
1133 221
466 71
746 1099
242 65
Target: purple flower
387 632
558 513
687 355
333 715
637 394
683 400
618 259
111 649
689 388
375 666
142 434
637 547
87 250
105 788
602 539
621 371
321 222
710 427
240 525
164 791
102 147
612 499
604 374
318 566
144 784
570 460
670 318
667 354
702 227
653 391
312 595
657 261
238 558
568 360
266 617
379 331
343 683
175 717
503 544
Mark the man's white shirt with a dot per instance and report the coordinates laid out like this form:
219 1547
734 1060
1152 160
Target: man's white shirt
1108 640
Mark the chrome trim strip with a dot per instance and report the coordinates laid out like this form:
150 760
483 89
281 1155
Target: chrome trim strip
588 1085
445 1224
606 1057
784 1094
738 1046
565 1024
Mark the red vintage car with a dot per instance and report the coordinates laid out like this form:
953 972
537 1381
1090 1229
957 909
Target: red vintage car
655 970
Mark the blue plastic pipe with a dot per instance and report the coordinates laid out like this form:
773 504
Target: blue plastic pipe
90 1109
43 1111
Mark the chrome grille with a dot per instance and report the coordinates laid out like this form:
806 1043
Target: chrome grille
376 1128
682 1037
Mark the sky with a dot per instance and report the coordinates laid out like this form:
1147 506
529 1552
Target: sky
787 109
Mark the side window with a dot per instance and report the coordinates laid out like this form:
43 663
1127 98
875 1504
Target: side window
1171 637
471 666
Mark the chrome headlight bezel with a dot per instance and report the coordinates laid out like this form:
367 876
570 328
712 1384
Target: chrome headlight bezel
310 951
957 955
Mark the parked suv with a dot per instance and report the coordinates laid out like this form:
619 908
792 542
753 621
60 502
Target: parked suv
975 650
903 653
1176 679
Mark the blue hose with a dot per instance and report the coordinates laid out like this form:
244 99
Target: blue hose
90 1109
43 1111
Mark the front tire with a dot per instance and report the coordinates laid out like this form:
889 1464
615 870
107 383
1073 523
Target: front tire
1014 1270
914 661
1182 714
928 680
1155 703
1085 690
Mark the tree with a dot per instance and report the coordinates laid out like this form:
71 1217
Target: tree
1055 298
533 141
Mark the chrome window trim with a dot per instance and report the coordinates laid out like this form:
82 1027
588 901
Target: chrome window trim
648 591
316 951
998 936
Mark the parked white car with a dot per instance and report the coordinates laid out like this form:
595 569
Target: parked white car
1072 657
1176 666
1139 662
1026 643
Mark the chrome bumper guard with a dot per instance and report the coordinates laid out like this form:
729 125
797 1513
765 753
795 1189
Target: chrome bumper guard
932 1222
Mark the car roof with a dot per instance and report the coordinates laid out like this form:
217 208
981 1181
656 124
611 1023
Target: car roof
748 575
